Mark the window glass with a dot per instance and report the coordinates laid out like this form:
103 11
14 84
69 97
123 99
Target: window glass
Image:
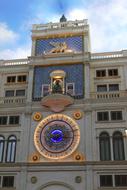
2 141
106 181
120 180
101 88
113 87
116 115
9 93
21 78
118 146
14 120
20 92
100 73
70 88
11 149
8 181
11 79
104 143
102 116
113 72
3 120
45 89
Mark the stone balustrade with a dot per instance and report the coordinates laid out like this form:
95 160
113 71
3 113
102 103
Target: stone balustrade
12 100
13 62
107 95
67 24
106 55
7 188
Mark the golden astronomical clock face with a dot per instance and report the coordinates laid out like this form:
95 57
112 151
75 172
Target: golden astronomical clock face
57 136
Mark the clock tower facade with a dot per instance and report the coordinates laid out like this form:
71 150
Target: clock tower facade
63 114
60 60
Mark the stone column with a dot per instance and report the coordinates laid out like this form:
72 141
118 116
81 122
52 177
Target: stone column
2 82
33 47
30 84
123 74
111 144
23 179
94 138
125 133
86 42
25 135
88 136
89 178
87 80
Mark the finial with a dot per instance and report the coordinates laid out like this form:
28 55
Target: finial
63 19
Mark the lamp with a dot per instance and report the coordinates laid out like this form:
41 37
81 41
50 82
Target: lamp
126 131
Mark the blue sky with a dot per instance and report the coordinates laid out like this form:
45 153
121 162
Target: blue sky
107 19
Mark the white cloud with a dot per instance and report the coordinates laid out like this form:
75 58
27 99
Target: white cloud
18 53
39 19
108 24
6 34
76 14
9 37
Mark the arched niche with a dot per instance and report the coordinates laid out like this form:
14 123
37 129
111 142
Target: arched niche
56 186
58 81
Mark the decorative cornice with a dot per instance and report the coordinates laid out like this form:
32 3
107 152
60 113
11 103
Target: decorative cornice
66 163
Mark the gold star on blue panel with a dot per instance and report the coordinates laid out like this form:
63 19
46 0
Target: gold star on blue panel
75 43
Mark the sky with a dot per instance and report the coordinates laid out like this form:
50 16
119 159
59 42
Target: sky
107 20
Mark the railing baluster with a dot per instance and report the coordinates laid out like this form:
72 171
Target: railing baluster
14 100
108 95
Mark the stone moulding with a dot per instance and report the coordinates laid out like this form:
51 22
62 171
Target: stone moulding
57 102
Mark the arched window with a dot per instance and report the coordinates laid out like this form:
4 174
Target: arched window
118 146
11 149
104 143
2 142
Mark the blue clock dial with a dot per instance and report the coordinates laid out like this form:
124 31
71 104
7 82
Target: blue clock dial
57 136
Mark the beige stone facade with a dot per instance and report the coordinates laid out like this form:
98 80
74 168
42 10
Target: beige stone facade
74 139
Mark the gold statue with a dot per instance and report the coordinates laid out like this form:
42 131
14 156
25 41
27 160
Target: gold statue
59 47
57 86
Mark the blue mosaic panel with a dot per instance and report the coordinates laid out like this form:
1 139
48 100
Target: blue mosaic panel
74 43
74 74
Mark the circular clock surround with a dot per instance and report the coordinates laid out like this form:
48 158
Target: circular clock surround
57 136
37 116
77 114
